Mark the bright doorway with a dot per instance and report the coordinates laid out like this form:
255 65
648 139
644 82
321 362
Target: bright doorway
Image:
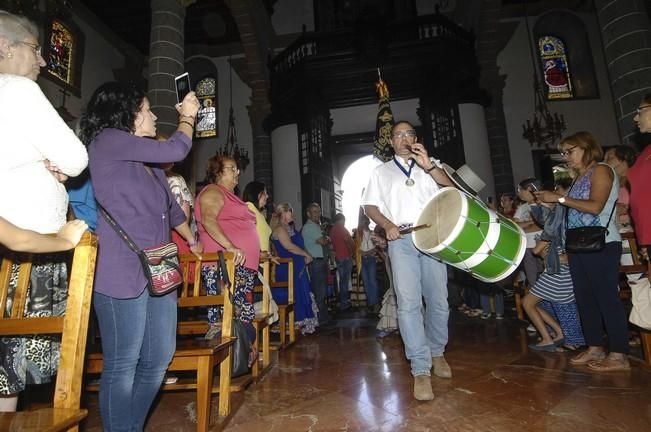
353 184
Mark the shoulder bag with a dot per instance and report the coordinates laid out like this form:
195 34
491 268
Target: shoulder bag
160 264
241 346
587 239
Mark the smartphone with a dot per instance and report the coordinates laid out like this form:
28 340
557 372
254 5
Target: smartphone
182 83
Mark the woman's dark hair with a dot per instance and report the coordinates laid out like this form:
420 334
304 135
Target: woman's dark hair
647 98
626 154
252 192
215 166
113 105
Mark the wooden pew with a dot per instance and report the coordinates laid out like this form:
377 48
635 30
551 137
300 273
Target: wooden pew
73 326
196 354
263 326
286 313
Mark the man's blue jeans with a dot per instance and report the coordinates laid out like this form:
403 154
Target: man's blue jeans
138 342
344 269
319 284
369 276
417 276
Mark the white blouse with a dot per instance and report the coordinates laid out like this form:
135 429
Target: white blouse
33 131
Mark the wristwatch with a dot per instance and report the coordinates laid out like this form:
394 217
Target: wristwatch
561 200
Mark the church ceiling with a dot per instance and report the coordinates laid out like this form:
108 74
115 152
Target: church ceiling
208 22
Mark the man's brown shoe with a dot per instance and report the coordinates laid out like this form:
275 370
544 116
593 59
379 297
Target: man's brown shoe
423 388
441 367
587 357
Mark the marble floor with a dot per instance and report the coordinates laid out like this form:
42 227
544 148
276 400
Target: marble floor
346 379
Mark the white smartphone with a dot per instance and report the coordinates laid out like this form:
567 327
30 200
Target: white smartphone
182 83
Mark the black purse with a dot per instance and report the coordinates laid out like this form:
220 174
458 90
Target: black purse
242 345
587 239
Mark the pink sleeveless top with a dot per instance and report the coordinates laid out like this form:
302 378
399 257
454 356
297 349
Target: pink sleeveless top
238 224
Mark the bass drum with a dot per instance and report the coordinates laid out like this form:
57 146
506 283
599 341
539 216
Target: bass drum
466 234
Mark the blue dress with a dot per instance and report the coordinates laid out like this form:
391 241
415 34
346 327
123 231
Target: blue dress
304 304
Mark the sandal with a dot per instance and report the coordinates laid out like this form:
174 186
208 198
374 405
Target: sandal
588 357
610 365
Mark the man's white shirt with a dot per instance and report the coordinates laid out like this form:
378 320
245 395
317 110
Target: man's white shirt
388 191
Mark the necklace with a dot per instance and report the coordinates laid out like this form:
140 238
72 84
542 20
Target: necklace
410 181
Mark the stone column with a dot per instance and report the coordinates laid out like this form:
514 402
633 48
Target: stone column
166 59
488 47
262 162
626 37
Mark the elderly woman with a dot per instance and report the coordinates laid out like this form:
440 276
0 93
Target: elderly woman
226 223
138 329
289 244
590 202
621 159
33 163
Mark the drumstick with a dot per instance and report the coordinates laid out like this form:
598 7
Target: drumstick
414 228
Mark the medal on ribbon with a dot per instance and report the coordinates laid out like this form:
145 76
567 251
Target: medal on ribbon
410 181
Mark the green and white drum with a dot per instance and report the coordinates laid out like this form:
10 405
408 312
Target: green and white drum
466 234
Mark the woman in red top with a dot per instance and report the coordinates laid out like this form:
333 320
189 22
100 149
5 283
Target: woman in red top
225 223
639 178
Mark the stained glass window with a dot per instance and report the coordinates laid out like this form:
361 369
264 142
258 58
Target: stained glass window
555 69
61 53
207 115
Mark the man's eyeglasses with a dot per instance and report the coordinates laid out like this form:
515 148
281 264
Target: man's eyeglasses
566 153
35 47
642 108
232 168
406 133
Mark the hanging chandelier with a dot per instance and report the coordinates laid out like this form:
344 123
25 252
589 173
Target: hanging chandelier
545 129
231 148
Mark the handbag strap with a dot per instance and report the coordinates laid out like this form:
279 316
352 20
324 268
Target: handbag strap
611 211
118 229
116 226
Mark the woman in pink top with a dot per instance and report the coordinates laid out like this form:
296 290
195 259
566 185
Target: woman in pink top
225 223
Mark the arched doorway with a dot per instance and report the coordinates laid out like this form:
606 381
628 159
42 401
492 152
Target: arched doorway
353 184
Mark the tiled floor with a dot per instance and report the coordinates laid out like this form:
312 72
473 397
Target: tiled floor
345 379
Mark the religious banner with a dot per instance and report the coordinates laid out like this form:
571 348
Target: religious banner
207 115
382 148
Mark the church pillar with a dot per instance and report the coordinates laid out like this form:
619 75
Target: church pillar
286 168
262 158
476 147
166 59
488 47
626 37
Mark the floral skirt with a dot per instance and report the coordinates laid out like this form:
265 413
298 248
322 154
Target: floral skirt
242 300
34 360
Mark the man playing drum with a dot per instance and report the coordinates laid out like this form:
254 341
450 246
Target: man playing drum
396 193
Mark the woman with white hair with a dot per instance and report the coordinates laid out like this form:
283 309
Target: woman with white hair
34 161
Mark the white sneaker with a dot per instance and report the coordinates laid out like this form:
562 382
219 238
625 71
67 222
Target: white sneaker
531 329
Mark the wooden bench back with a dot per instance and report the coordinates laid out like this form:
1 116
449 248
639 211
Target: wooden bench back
73 326
193 292
289 283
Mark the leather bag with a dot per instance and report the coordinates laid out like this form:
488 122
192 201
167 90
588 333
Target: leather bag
242 345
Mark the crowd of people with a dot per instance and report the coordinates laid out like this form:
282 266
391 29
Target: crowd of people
573 295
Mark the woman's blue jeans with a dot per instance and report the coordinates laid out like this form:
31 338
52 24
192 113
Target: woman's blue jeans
369 276
138 342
